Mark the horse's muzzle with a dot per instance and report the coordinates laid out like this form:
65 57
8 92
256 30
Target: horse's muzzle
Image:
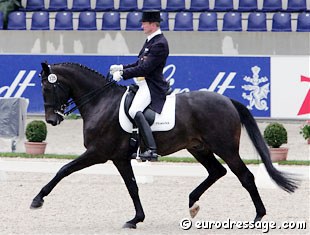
54 119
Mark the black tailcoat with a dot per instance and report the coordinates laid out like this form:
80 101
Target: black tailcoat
150 64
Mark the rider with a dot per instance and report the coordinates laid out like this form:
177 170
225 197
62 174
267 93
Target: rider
148 70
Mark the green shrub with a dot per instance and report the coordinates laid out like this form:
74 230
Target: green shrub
275 135
305 130
36 131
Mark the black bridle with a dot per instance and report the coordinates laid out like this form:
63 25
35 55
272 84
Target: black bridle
60 107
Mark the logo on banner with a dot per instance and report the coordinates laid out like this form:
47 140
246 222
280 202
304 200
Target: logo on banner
17 85
220 84
305 107
258 91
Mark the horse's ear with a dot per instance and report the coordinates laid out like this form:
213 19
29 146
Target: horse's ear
45 67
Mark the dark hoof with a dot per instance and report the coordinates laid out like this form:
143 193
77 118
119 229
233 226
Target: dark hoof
36 204
129 225
258 218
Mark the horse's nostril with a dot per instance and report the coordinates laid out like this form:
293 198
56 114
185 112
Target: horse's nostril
52 122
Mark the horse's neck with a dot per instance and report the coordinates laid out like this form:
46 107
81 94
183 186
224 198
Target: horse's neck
85 83
99 95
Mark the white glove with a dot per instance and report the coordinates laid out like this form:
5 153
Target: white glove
116 67
117 76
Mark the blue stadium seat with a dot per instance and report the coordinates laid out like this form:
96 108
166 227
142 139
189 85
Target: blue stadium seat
151 5
303 22
40 20
207 21
35 5
104 5
17 20
87 20
58 5
183 21
1 20
111 21
164 24
247 5
128 5
199 5
272 5
133 21
175 5
223 5
63 20
232 21
81 5
257 21
296 5
281 22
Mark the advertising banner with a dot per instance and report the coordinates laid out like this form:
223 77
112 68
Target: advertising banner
246 79
290 87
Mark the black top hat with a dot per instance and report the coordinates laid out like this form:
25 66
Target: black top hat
151 16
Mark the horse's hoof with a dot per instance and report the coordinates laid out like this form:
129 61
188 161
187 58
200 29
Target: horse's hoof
36 204
194 210
258 218
129 225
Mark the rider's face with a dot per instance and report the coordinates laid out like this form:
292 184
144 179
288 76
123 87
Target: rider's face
149 27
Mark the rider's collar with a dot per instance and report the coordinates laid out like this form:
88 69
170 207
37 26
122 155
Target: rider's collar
157 32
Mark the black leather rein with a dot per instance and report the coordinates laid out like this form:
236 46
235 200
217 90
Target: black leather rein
86 98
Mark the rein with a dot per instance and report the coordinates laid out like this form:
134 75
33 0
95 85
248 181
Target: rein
86 98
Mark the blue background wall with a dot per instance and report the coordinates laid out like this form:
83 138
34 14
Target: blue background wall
222 74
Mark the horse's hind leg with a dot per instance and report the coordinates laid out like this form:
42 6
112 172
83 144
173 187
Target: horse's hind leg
247 180
215 170
85 160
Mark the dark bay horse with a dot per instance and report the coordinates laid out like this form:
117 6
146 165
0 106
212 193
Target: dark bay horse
206 123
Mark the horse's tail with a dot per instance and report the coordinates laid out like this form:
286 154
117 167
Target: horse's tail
286 182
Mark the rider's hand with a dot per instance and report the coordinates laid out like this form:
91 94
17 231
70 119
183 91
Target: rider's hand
116 67
117 76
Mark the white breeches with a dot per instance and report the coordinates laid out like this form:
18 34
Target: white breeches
141 100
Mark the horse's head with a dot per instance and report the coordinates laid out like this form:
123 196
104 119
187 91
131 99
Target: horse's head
55 94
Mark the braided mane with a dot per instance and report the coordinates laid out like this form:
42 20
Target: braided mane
95 72
82 67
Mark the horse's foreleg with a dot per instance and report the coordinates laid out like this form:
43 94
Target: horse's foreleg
85 160
215 170
125 169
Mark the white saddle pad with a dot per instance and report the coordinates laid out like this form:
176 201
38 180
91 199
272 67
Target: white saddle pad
163 122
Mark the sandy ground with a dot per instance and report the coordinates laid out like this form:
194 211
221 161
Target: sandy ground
100 204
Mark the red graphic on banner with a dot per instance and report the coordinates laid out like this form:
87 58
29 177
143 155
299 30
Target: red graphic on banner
305 107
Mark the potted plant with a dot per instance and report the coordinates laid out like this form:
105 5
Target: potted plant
36 132
275 135
305 131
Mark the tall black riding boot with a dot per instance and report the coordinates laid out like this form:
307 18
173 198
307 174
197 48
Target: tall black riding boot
151 153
